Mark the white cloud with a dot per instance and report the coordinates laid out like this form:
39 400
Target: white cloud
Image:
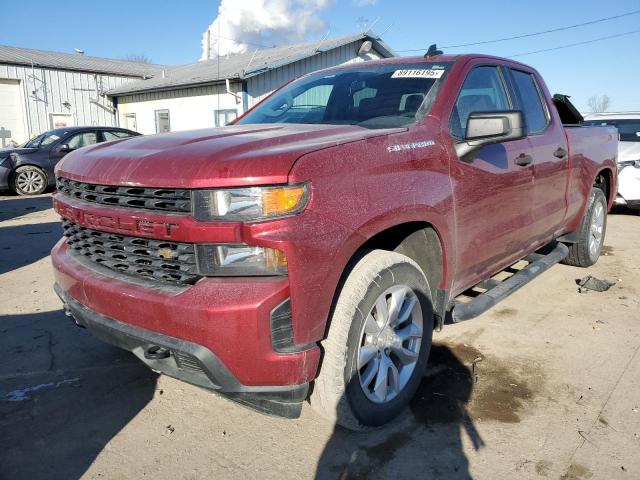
364 3
244 25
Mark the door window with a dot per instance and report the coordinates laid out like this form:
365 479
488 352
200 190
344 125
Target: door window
82 140
483 91
114 135
535 115
629 130
163 125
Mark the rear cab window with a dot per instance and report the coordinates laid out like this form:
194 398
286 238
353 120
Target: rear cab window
536 114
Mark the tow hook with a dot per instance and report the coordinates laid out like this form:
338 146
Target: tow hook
68 313
156 352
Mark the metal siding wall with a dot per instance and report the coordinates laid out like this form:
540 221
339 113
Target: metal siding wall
260 86
53 87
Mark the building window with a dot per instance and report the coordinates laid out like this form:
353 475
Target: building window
162 121
225 117
130 121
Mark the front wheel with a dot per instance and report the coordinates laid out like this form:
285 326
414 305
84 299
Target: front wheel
29 180
586 251
378 342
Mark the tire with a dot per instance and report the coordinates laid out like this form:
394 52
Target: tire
29 180
340 392
586 251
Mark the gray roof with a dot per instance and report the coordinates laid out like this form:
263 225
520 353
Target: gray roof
82 63
245 65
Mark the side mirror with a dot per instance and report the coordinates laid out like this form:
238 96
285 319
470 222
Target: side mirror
65 148
485 128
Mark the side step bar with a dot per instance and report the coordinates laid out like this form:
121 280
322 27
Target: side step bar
498 291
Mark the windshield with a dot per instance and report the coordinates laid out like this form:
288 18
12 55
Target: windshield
629 130
42 140
381 96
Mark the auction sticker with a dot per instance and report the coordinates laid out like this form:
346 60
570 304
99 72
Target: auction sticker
419 73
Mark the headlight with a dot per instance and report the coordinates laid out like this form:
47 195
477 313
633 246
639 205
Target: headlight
249 204
239 260
629 163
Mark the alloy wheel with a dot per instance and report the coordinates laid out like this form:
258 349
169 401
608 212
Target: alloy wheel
596 230
390 344
30 181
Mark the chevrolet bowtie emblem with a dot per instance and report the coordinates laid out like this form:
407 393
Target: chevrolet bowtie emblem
167 253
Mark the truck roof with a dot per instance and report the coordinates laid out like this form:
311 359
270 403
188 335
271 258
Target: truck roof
420 59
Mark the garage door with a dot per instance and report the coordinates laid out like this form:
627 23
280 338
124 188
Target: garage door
11 119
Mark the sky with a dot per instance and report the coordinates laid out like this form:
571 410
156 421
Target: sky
171 33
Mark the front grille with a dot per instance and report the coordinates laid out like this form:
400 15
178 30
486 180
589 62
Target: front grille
187 362
139 257
163 199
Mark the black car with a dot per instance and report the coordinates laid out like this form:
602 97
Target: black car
28 169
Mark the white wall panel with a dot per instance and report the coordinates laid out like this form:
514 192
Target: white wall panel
189 108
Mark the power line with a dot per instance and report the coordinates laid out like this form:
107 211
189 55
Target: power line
527 35
575 44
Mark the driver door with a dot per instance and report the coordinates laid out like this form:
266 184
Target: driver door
493 195
73 142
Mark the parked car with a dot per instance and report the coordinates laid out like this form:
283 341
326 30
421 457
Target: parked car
28 169
628 125
324 236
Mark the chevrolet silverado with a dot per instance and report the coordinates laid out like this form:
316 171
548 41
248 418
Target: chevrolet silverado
310 249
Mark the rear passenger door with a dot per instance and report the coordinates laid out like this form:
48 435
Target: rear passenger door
550 155
493 195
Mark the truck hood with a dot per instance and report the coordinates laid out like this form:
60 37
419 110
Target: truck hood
231 156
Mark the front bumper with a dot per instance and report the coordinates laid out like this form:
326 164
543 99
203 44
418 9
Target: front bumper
5 175
228 317
186 361
629 186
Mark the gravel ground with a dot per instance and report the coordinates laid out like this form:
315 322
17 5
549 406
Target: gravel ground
544 385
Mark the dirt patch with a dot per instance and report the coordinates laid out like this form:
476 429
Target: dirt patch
462 385
577 472
505 312
607 250
543 468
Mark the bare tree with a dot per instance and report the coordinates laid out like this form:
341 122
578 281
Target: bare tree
599 103
138 57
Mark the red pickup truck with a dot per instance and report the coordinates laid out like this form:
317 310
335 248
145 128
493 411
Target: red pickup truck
310 249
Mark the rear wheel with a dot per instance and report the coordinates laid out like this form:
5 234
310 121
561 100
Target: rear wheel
29 180
378 342
586 251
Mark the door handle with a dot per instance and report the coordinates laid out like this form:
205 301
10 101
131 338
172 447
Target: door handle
524 160
560 153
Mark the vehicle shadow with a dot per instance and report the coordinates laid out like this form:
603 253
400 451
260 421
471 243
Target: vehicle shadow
624 210
13 207
63 396
426 443
23 245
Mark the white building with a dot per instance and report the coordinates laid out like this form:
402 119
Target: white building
41 90
213 92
